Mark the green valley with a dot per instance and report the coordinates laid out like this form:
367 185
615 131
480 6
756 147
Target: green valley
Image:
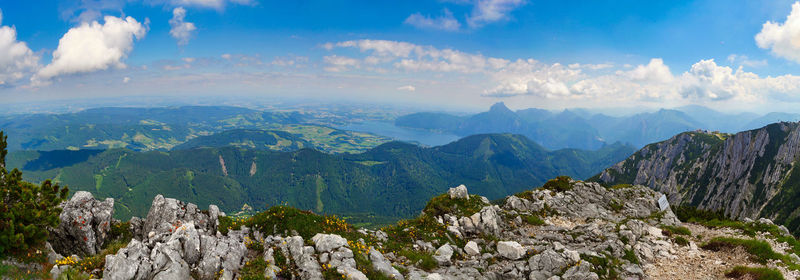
392 180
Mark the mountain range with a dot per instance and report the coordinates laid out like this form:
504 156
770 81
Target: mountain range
391 180
582 129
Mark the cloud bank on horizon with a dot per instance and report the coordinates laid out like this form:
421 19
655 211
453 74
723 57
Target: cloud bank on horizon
451 52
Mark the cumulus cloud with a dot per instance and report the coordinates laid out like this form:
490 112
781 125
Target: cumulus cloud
180 29
126 80
488 11
445 22
650 82
783 39
92 47
407 88
16 59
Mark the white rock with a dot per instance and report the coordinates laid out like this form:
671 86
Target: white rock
459 192
472 248
443 254
510 250
328 242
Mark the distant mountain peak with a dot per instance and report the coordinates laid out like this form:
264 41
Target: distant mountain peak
499 107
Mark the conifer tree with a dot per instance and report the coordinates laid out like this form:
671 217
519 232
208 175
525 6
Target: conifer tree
26 210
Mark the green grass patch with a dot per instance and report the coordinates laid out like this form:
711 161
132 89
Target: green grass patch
604 266
443 204
253 269
532 219
280 219
676 230
615 205
559 184
680 240
631 257
760 250
621 186
755 273
422 260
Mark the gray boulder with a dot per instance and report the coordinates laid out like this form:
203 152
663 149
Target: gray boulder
85 223
328 242
383 266
443 254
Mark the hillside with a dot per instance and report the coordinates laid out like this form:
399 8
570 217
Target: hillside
393 179
248 138
147 129
750 174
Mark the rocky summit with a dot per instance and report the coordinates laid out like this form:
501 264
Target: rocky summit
564 230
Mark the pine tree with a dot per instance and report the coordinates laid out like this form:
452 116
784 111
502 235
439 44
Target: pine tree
27 210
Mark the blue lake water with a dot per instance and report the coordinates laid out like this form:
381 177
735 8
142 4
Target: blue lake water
388 129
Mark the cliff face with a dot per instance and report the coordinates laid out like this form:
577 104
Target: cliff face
746 175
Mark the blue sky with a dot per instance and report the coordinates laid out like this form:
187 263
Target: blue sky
448 53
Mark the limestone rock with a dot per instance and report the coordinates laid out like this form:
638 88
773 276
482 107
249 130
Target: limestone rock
459 192
85 223
510 250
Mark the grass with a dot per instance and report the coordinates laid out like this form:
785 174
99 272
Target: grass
755 273
631 257
760 250
604 266
676 230
280 219
559 184
253 270
615 205
443 204
423 260
532 219
680 240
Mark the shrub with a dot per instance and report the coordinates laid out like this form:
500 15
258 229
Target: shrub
559 184
26 210
443 204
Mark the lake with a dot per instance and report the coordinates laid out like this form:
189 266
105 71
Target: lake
388 129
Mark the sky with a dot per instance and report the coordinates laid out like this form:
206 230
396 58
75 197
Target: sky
730 56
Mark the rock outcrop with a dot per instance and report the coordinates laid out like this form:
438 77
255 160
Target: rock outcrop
84 225
586 231
750 174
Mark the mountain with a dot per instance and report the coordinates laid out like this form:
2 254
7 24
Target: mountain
553 131
432 121
393 179
582 129
247 138
771 118
644 128
750 174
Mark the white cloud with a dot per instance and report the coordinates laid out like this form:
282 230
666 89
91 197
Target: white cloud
93 47
407 88
783 39
16 59
445 22
126 80
339 63
226 56
630 84
746 61
488 11
180 29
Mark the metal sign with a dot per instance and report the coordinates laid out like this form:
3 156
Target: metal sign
663 203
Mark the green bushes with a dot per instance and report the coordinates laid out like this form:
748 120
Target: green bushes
559 184
26 210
